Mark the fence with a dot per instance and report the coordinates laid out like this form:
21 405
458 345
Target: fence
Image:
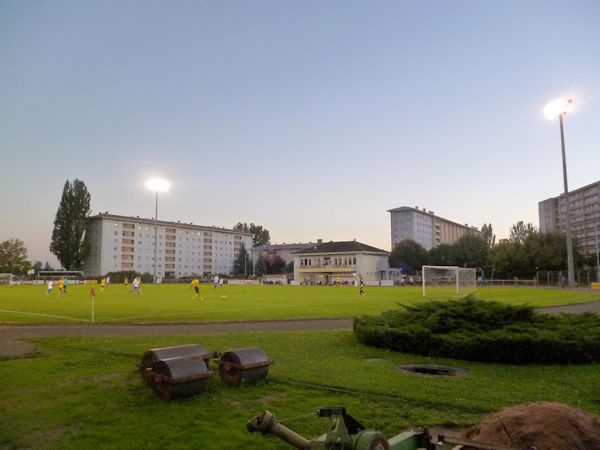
583 278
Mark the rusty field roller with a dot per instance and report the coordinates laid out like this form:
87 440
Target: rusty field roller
244 365
179 377
151 357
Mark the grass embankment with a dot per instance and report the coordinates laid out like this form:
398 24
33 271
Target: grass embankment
87 393
174 303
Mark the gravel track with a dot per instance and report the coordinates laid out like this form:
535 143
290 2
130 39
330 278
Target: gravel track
12 344
11 336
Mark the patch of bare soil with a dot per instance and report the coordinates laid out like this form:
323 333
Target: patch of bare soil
543 425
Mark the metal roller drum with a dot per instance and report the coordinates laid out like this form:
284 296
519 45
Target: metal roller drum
244 365
179 377
194 351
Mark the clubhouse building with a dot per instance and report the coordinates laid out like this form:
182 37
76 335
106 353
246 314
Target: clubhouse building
346 260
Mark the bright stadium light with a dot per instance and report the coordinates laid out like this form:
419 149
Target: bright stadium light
157 185
558 109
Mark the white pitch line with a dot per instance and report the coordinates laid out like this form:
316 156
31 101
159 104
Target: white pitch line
43 315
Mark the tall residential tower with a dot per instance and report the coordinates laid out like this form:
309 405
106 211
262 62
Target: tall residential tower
425 228
584 204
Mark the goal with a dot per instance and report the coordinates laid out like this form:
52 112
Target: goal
439 281
6 278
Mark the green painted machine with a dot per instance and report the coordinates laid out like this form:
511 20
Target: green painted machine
347 433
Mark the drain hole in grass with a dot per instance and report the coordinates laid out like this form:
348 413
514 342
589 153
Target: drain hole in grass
431 369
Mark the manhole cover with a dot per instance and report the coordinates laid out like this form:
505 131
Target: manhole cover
431 369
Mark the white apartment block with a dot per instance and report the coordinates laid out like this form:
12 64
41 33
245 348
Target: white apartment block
127 243
425 228
584 205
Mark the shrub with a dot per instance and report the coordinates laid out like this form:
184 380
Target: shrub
478 330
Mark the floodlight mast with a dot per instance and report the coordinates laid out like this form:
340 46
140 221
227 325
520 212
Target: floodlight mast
559 108
157 185
597 254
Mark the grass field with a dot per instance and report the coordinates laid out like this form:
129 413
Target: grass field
174 303
86 392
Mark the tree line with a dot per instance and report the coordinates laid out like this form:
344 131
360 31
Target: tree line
522 255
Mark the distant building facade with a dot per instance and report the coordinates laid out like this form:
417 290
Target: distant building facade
584 205
284 251
127 243
347 261
425 228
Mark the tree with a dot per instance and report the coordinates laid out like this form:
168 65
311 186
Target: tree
37 266
408 256
290 267
507 257
488 235
519 231
548 251
240 265
69 240
470 250
441 255
276 265
260 235
13 257
260 268
48 267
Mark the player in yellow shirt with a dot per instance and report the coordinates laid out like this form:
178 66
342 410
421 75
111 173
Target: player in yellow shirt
102 284
61 287
196 285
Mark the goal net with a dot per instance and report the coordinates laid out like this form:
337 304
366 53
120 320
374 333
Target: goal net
448 281
6 278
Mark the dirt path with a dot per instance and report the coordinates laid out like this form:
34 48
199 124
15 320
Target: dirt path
12 345
11 336
591 307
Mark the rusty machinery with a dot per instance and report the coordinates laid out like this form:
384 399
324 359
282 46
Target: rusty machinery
183 371
347 433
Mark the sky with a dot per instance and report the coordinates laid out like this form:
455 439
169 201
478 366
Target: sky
311 118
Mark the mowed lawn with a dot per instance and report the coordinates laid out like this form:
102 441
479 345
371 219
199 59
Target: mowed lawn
87 393
174 303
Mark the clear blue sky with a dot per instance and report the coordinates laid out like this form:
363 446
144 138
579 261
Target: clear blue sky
311 118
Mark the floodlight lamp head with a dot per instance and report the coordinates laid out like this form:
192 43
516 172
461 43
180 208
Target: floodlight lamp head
157 185
558 107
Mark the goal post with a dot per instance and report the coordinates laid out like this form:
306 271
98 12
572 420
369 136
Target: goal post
6 278
448 280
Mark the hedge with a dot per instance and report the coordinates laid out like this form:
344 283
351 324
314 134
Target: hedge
477 330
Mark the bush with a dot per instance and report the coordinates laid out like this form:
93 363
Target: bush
478 330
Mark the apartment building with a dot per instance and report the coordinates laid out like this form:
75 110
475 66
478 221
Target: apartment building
425 228
127 243
284 251
584 205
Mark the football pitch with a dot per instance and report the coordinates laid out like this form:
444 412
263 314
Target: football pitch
175 302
